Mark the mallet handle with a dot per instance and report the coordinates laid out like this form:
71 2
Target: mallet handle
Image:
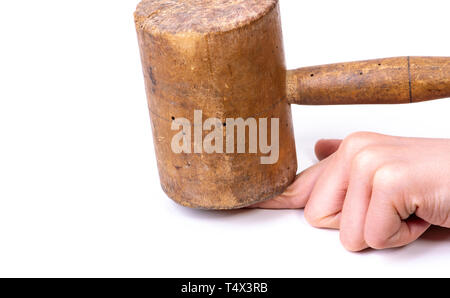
381 81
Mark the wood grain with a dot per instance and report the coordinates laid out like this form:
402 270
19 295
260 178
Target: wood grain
381 81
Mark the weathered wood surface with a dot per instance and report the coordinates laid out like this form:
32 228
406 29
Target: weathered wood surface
380 81
226 59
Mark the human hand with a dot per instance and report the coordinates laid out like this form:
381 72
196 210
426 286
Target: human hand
379 191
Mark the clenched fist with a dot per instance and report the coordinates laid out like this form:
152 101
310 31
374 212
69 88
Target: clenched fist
379 191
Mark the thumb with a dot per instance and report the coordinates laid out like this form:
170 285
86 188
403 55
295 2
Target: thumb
325 148
297 195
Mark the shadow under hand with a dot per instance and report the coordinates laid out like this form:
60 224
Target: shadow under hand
436 234
432 240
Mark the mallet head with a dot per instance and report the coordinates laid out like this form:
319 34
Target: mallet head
216 61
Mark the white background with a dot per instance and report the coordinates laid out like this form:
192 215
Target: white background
79 189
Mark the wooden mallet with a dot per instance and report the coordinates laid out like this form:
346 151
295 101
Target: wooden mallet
224 59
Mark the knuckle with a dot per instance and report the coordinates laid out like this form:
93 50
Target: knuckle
351 243
322 217
375 241
387 177
312 218
355 141
359 137
366 158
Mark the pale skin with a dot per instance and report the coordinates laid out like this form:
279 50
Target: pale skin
379 191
